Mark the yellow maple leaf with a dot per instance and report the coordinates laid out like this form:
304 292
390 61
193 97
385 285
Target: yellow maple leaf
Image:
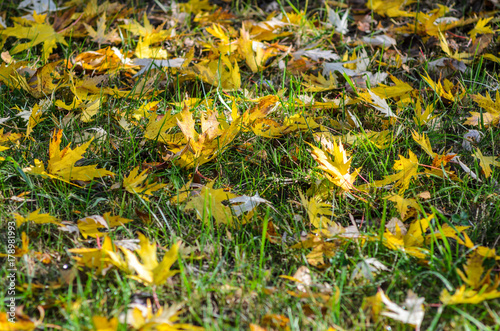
424 142
438 88
44 82
321 249
35 115
221 73
217 31
162 319
209 203
403 204
413 241
21 322
474 273
9 137
470 296
134 183
423 116
157 128
255 53
101 259
407 170
486 162
37 32
202 147
36 217
19 251
400 89
319 213
390 8
491 116
150 272
481 28
149 34
464 57
103 324
195 6
319 83
89 107
62 163
89 226
337 170
100 36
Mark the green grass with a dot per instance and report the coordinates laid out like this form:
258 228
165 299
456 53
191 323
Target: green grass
229 276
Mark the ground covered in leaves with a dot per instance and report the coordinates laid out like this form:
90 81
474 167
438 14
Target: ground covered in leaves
236 165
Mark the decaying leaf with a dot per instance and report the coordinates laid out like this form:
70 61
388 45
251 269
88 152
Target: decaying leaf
412 314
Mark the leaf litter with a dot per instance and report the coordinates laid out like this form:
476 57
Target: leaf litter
198 120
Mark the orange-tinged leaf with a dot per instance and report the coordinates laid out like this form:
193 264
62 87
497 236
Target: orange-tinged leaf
18 321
